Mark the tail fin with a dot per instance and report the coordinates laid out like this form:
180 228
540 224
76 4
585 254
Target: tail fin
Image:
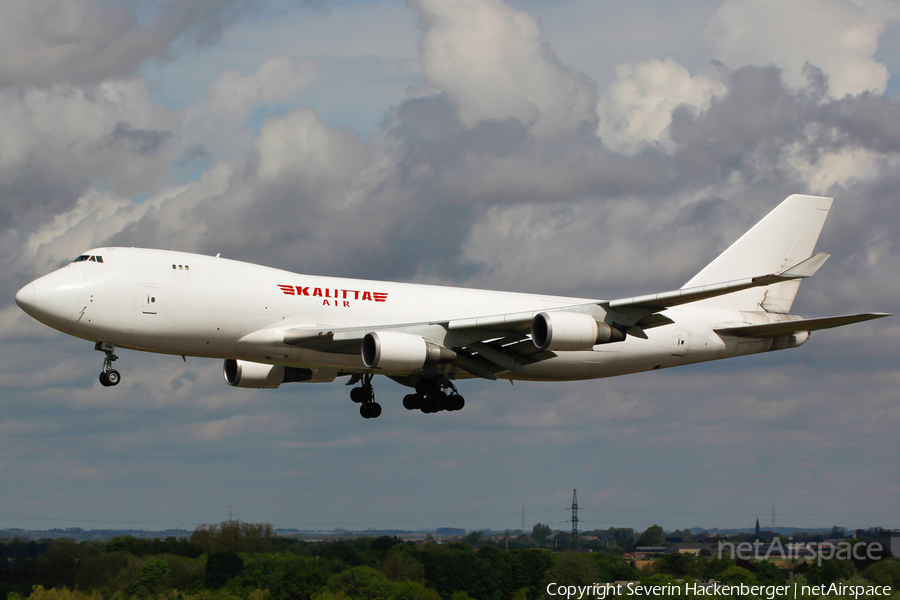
785 236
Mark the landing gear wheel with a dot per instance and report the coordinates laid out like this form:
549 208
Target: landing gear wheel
412 401
103 380
456 402
370 410
112 378
434 395
364 395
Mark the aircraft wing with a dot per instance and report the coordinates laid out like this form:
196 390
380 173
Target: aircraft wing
766 330
483 346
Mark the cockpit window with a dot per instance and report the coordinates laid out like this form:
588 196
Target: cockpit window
85 257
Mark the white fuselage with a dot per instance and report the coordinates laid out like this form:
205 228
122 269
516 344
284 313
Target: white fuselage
192 305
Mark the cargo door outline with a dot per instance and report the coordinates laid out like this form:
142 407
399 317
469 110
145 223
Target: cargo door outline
149 299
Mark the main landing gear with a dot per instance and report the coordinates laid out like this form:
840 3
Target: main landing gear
109 376
434 395
364 395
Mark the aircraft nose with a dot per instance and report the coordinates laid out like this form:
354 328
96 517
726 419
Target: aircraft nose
26 298
52 299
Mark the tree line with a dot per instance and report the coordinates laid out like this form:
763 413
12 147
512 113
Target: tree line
235 560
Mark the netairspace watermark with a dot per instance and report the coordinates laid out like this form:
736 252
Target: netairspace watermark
602 591
842 551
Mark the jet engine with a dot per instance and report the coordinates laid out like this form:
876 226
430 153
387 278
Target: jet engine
404 352
245 374
791 340
571 331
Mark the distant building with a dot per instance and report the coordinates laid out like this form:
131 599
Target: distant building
691 548
647 552
765 536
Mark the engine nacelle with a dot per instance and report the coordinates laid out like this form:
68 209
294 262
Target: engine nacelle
394 351
245 374
791 340
571 331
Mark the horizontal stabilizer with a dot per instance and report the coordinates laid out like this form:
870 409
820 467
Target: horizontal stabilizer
766 330
803 269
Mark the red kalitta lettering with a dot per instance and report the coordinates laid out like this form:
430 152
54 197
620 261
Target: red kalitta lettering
297 290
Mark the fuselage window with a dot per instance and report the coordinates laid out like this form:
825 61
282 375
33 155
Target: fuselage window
81 258
187 268
173 267
180 267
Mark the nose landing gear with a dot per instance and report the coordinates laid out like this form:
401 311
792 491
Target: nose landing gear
434 395
109 376
364 395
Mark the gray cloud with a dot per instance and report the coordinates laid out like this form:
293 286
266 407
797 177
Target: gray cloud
142 141
79 42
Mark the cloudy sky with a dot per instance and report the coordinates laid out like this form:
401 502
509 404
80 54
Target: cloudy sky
578 147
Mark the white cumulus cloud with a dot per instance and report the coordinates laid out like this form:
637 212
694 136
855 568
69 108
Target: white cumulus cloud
838 36
489 58
637 108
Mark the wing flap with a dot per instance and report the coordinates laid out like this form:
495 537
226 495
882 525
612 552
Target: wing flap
766 330
511 323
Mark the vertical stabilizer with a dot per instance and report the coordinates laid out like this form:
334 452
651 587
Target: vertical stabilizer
784 237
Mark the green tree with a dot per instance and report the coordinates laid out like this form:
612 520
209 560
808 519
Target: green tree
829 571
234 535
885 572
737 574
767 572
401 565
361 582
540 532
39 593
613 568
221 566
285 575
652 536
473 538
570 569
677 564
149 578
